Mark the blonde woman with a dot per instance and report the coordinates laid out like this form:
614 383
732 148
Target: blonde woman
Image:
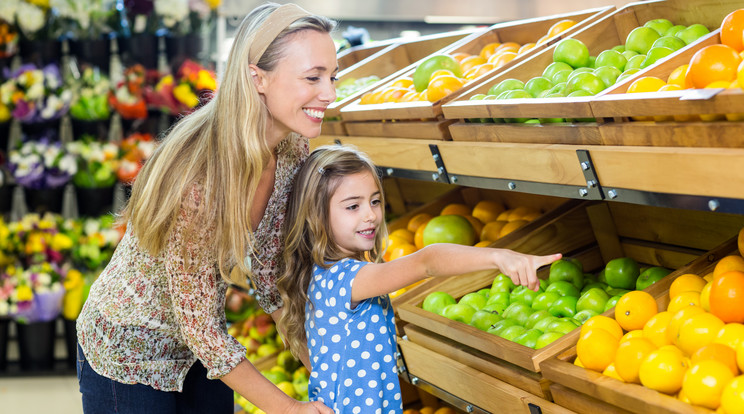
152 335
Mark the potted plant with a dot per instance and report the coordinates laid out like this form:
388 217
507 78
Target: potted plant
187 23
8 40
90 111
39 41
85 22
180 95
135 150
94 180
128 99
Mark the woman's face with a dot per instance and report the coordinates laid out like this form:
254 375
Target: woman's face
301 87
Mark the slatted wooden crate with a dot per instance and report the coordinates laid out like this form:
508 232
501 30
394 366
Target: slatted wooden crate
602 34
583 390
408 116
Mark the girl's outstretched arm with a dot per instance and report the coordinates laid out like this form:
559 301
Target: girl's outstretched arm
443 259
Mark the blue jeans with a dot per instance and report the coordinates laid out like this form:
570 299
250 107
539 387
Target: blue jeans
104 395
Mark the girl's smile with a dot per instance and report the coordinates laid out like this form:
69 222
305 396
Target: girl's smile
356 213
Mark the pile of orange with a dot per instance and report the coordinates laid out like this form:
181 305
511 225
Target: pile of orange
693 350
442 83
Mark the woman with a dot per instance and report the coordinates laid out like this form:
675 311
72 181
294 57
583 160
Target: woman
152 335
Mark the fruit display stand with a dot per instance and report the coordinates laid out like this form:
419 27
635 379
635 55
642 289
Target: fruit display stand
423 119
586 391
600 35
385 62
594 233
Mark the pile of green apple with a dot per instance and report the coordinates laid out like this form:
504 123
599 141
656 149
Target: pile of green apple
350 86
258 334
575 73
567 299
289 375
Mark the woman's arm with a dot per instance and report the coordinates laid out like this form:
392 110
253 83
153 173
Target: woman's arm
443 259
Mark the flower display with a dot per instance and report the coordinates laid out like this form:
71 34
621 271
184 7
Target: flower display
7 257
85 19
185 16
35 95
8 37
192 87
38 293
128 97
96 239
42 165
90 95
8 292
96 163
37 239
34 18
135 150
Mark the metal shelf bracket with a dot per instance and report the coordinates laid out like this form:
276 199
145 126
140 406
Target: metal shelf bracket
441 174
592 191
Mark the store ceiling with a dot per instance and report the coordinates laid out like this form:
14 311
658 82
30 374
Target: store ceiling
430 11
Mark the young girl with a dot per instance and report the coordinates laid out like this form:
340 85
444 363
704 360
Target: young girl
335 287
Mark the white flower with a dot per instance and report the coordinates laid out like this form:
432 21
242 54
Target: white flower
36 91
4 308
31 18
172 11
147 148
68 164
91 227
111 236
43 279
8 10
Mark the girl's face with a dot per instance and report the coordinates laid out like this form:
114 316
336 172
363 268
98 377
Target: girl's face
355 213
301 87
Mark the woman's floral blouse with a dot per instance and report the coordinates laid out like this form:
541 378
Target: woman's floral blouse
147 319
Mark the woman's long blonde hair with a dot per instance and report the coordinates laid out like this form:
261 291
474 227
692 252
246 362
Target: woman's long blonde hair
308 236
222 146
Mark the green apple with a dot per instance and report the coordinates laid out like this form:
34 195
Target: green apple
518 312
474 299
501 325
672 42
592 85
554 68
561 76
537 85
629 54
546 338
674 30
450 228
556 95
529 338
579 93
611 58
459 312
634 62
584 315
522 294
574 73
552 120
655 54
505 85
543 300
485 292
536 317
650 276
592 61
564 307
641 39
616 291
423 72
515 94
593 299
591 285
512 332
499 297
496 307
557 88
275 376
589 278
611 303
437 301
660 25
565 270
484 319
622 273
563 288
502 283
571 51
543 323
692 33
618 48
628 73
563 325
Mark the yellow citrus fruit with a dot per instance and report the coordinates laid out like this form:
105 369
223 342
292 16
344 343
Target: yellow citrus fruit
719 84
632 334
686 283
655 329
488 50
404 234
417 221
740 356
629 356
717 352
732 397
560 26
504 216
705 296
411 411
600 321
445 410
697 331
477 226
427 410
455 208
684 299
731 335
680 317
663 370
578 362
418 237
611 371
402 250
483 243
487 210
728 263
531 216
526 48
740 239
669 87
672 348
634 309
704 383
492 231
511 226
519 212
646 84
679 77
596 348
708 277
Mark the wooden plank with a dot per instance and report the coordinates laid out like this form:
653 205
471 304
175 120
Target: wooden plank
559 133
723 134
605 231
410 154
333 128
436 129
581 403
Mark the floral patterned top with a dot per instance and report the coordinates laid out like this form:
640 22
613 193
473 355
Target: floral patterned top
147 319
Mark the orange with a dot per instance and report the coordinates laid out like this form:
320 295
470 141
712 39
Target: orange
510 46
697 331
483 243
663 370
655 329
445 410
560 26
704 383
600 321
679 77
401 250
740 239
492 231
632 334
542 39
684 299
680 317
686 283
520 212
629 356
487 210
670 87
578 363
731 335
708 277
409 97
417 221
740 81
502 58
440 72
740 356
441 86
596 348
705 296
732 30
477 226
646 84
717 352
732 397
488 50
405 82
459 56
404 234
634 309
455 208
411 411
731 262
427 410
721 84
713 63
418 237
392 94
471 61
531 216
478 71
610 371
505 215
727 296
526 48
511 226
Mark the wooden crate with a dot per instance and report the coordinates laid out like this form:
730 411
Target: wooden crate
617 394
521 31
600 35
594 233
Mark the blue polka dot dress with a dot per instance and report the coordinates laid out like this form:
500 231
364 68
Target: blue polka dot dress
351 350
